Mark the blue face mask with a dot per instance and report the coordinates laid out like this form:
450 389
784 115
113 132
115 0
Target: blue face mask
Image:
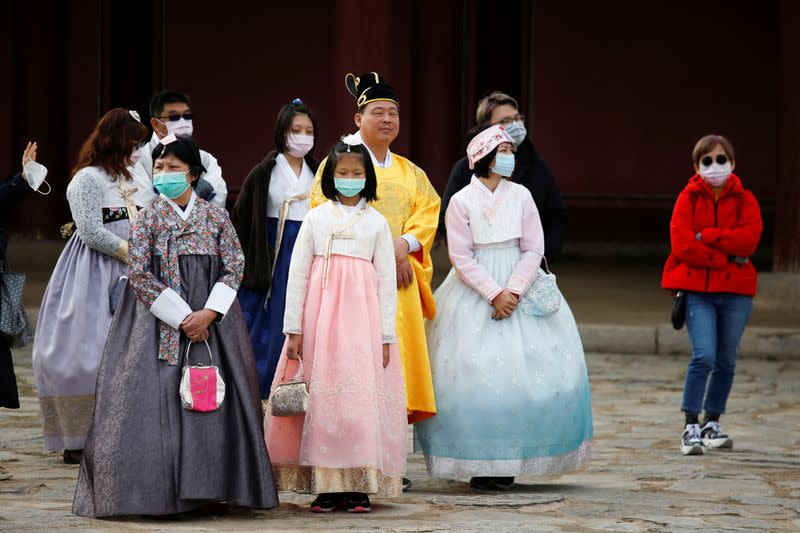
171 184
503 164
349 187
517 132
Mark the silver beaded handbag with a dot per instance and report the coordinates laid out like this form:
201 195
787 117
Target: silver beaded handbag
543 297
290 398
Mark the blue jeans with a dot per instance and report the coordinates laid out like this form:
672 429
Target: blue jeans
715 322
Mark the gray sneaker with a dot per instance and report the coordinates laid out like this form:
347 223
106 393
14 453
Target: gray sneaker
691 443
713 437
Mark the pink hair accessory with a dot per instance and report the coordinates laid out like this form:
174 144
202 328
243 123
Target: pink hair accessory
168 139
485 142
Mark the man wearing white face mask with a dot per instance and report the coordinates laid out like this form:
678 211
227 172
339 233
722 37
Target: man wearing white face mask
170 112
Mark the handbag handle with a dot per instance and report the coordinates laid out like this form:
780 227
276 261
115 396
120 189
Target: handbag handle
546 266
298 373
189 346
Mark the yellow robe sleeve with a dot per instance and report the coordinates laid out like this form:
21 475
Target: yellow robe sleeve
422 224
317 198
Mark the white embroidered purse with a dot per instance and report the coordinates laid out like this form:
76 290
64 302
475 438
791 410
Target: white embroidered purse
543 297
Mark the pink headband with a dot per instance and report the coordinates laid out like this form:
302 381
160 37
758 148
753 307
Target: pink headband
485 142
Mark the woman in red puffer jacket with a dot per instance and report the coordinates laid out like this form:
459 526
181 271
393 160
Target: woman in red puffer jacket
715 228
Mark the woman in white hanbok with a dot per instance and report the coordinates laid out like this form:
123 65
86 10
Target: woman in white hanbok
511 386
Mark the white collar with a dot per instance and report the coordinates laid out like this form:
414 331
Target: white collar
154 140
490 194
482 186
386 163
183 213
349 210
283 162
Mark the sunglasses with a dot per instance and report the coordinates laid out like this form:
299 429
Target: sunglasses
176 118
720 160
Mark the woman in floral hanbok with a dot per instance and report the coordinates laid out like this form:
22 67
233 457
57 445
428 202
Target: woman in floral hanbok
145 454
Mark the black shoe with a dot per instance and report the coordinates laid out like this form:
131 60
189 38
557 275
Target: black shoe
325 503
73 457
358 502
481 483
406 484
501 483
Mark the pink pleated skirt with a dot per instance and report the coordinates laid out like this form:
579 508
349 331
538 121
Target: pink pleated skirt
353 436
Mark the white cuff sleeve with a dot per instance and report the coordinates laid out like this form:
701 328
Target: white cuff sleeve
413 243
221 298
170 308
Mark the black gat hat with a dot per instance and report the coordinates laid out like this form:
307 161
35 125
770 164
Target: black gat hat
370 87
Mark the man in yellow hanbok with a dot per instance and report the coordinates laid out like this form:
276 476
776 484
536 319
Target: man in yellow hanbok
410 204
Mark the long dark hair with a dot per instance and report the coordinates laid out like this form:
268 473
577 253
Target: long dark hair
110 144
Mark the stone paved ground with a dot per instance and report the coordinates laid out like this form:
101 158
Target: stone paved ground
637 480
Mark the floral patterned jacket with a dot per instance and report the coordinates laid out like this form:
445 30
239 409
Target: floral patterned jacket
163 232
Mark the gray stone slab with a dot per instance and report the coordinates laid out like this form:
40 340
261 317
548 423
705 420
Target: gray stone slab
778 291
614 338
510 501
637 480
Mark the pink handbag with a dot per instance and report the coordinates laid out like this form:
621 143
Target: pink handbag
202 388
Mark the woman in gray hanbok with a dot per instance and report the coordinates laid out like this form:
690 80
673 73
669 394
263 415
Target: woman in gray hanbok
146 454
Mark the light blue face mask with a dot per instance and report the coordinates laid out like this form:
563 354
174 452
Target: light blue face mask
349 187
516 130
171 184
503 164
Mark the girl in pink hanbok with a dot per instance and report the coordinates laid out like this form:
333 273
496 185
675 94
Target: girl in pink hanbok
340 327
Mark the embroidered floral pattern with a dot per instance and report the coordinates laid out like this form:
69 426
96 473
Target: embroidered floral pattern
160 233
113 214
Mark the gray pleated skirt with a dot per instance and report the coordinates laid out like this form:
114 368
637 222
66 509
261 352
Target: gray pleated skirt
147 455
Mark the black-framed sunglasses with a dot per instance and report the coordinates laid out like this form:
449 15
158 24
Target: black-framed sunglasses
510 120
721 159
176 118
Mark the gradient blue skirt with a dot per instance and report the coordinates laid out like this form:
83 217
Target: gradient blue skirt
265 322
512 396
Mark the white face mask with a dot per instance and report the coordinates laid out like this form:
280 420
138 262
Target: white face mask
35 173
299 144
715 174
179 127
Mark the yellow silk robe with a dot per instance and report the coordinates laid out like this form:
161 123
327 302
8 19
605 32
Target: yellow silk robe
410 204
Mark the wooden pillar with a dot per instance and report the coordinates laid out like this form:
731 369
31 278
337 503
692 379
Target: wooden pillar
787 205
363 43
